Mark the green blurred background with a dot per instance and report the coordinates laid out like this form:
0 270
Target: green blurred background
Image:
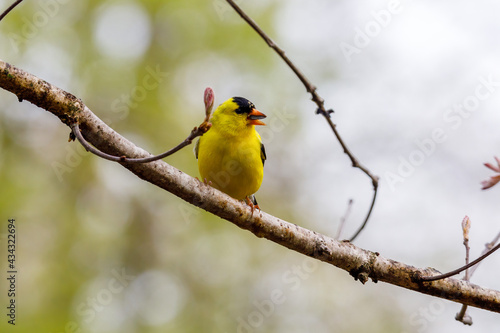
101 251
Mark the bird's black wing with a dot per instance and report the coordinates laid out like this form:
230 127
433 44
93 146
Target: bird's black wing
263 153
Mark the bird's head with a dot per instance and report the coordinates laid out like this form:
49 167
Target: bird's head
237 114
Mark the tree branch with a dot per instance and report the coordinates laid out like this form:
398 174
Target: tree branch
361 264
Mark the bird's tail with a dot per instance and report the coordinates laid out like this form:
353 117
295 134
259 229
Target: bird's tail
254 199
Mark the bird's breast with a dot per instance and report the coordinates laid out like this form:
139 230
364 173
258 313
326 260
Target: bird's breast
233 165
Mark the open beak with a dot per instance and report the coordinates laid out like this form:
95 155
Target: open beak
254 117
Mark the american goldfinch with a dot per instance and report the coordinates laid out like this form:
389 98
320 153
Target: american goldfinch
231 154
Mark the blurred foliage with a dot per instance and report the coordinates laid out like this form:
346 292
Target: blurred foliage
142 67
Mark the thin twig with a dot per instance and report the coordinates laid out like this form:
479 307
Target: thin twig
461 269
197 131
466 224
488 246
462 316
208 99
344 218
9 9
319 102
375 187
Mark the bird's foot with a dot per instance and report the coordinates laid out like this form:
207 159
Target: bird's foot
251 204
205 181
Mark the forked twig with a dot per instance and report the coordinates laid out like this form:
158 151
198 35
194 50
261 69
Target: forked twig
343 219
462 316
319 102
461 269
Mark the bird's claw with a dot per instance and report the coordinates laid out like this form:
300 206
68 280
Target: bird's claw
251 204
205 181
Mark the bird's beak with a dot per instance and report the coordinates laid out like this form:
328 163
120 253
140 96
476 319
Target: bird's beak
254 116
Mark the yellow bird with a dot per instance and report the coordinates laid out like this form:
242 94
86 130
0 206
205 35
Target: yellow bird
231 154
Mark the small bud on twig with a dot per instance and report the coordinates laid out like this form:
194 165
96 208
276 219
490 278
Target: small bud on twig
209 102
208 98
466 228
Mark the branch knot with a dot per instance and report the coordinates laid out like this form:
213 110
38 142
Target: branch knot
365 270
324 112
